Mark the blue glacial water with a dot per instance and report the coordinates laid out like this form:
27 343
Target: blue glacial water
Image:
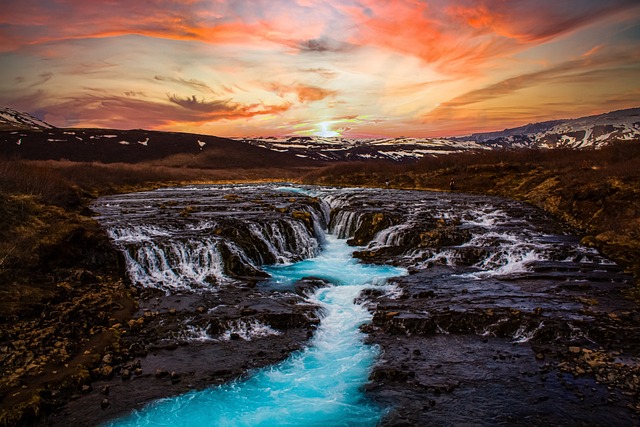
318 386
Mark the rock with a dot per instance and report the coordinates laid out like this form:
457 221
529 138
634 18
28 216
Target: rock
108 358
104 403
126 374
105 390
370 224
161 373
574 349
106 371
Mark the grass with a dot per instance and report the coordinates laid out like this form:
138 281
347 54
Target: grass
46 228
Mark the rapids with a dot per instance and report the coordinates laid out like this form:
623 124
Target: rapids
318 386
398 279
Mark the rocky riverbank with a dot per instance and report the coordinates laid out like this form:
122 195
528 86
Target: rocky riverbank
594 191
78 340
62 290
80 343
554 343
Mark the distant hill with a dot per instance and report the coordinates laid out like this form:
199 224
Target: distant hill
11 119
592 131
24 136
585 132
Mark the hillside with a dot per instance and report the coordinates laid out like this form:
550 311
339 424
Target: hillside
26 137
586 132
136 146
12 120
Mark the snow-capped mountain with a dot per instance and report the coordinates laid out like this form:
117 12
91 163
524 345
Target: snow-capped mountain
592 131
25 136
341 149
585 132
11 119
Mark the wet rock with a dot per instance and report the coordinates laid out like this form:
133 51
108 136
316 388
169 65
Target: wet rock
106 371
445 235
235 267
370 224
161 373
309 285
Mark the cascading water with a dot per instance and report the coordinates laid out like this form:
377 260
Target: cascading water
479 266
318 386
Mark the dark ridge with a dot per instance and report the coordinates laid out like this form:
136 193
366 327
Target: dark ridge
136 146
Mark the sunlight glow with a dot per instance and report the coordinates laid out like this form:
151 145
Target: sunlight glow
325 131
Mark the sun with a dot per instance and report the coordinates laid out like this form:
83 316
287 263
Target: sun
325 130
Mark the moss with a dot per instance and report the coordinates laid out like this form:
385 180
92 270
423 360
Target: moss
303 216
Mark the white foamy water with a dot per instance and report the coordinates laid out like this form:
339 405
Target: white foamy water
248 330
319 386
175 265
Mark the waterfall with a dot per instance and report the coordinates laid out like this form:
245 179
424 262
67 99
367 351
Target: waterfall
344 223
320 385
175 265
186 244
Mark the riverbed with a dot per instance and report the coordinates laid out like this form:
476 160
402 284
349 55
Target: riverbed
284 305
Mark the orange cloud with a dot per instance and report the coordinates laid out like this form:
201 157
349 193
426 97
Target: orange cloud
304 93
100 109
454 35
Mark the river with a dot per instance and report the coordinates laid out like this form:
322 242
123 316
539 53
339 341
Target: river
412 268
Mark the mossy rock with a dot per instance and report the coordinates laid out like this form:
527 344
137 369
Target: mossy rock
371 224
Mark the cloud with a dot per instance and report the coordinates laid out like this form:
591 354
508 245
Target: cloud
536 22
323 45
43 78
322 72
304 93
312 93
191 83
206 111
100 109
568 71
457 35
192 103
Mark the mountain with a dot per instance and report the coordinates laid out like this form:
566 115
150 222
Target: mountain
344 149
585 132
23 136
136 146
11 119
593 131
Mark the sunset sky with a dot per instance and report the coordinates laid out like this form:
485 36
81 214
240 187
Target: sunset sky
355 68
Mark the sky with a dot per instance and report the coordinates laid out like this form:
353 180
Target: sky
352 68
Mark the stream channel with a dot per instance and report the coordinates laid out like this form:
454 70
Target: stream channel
315 306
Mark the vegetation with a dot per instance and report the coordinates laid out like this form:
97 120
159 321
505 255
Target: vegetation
62 286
